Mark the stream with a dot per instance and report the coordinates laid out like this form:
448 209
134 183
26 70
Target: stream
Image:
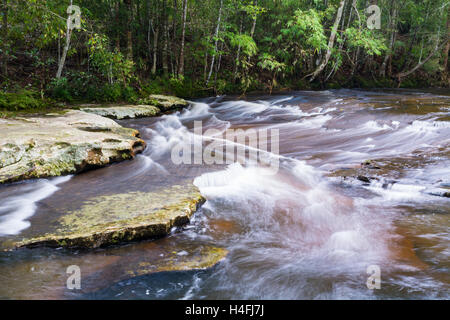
301 232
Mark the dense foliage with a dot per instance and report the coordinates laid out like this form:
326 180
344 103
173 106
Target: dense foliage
129 48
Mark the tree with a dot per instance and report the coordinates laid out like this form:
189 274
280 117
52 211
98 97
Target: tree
330 42
4 33
67 45
216 39
183 33
129 4
446 51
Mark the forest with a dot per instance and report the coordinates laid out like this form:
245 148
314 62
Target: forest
124 50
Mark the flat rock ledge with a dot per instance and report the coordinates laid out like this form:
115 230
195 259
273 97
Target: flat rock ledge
154 105
59 144
119 218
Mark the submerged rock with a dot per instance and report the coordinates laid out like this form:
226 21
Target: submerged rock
103 269
59 144
122 217
438 192
197 259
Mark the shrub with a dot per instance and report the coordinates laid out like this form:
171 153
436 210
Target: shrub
59 89
111 93
21 100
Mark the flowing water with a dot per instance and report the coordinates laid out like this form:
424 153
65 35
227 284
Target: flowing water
300 232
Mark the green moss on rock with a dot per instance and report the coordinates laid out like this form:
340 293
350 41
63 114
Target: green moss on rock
165 103
53 146
201 258
124 112
122 217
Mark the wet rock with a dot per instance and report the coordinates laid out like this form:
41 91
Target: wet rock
445 185
124 112
165 103
370 164
197 259
363 179
121 218
153 105
438 192
47 146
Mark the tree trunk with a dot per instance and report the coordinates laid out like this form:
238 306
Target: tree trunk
65 50
166 40
420 64
446 51
216 35
205 67
173 44
183 33
5 37
117 21
388 56
129 4
335 68
238 54
155 49
330 42
252 32
218 65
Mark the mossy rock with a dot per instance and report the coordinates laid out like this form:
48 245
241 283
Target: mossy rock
165 103
151 106
119 218
124 112
72 142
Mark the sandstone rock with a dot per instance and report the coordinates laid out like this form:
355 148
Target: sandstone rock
120 218
153 105
124 112
59 144
165 103
192 259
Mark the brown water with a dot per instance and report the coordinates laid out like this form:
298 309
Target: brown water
301 233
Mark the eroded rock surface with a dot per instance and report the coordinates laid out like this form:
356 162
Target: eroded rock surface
153 105
166 103
58 144
123 217
124 112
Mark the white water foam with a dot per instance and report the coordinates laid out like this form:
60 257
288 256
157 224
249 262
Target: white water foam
398 192
16 210
295 204
197 110
373 125
293 224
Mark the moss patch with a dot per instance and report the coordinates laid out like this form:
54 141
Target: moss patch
124 112
123 217
40 147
